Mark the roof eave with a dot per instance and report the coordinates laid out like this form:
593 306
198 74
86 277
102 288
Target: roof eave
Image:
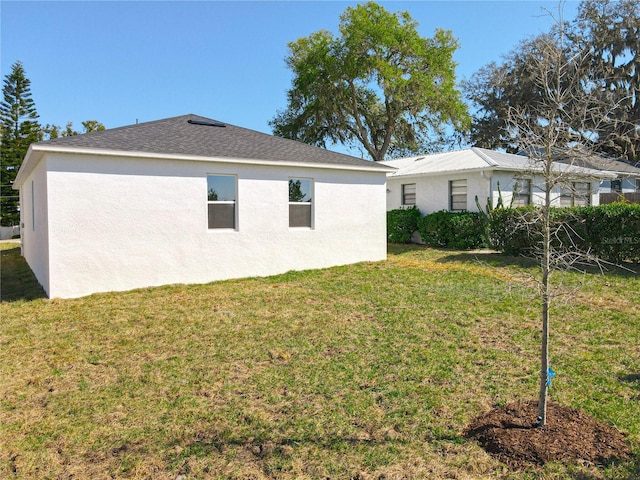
503 168
31 159
443 172
40 150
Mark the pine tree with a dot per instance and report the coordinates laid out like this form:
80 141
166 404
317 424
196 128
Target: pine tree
20 128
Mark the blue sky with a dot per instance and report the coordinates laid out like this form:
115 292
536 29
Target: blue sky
122 61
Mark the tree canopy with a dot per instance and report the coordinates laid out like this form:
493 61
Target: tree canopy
610 31
54 131
602 44
378 85
20 128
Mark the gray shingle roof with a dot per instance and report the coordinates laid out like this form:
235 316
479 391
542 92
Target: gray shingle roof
187 135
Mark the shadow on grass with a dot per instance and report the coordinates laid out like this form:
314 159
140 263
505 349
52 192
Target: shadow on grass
634 380
265 446
633 472
490 257
497 259
17 281
631 377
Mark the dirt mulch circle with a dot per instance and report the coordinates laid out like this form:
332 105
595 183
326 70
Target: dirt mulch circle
570 436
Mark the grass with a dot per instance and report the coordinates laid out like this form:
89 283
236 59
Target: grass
363 371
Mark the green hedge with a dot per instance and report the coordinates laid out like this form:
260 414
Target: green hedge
609 232
401 224
614 231
461 230
513 230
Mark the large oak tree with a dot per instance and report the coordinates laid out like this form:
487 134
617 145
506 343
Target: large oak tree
378 85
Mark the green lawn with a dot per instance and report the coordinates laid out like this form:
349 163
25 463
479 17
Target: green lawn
363 371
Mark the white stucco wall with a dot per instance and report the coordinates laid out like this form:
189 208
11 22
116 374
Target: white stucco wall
34 227
432 192
123 223
507 183
629 185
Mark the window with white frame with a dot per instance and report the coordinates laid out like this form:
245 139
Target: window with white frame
522 193
409 194
578 195
582 194
300 202
221 201
458 195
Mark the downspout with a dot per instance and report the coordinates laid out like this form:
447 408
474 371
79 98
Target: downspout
489 184
21 220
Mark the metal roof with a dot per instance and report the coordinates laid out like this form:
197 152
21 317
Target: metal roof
592 160
476 159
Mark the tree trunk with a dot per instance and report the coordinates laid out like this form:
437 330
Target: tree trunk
546 271
544 355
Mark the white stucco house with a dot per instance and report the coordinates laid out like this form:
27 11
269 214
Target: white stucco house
453 180
626 178
192 200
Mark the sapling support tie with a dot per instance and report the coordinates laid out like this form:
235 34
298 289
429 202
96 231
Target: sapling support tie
550 375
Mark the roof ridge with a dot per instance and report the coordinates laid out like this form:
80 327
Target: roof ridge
123 127
484 156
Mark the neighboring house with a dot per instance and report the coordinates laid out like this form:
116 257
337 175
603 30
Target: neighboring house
453 180
192 200
625 183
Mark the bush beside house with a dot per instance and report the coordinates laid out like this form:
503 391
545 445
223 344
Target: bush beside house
402 223
608 232
461 230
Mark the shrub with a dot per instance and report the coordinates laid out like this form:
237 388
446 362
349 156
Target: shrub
608 232
512 230
462 230
613 231
401 224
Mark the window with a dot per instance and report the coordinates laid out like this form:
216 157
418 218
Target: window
221 201
616 186
458 193
637 184
582 194
522 193
578 196
409 194
300 202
